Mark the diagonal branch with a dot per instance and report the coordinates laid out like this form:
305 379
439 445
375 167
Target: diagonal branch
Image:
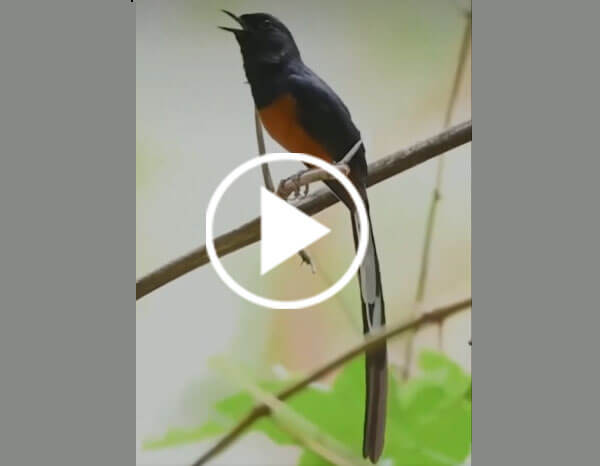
249 233
370 342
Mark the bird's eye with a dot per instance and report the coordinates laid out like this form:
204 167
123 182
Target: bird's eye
265 24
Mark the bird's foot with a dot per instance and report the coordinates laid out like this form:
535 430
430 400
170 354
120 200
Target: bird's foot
305 192
290 185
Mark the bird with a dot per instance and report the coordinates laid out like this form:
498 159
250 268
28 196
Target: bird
304 115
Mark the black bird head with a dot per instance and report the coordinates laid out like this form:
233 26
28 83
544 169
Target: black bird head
263 39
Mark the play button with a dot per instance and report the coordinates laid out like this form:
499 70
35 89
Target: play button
285 230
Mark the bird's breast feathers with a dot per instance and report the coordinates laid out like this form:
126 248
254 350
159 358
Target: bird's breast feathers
280 118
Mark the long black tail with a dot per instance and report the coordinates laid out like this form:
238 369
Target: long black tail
373 315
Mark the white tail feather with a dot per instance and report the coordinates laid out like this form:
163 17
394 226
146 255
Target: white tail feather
368 282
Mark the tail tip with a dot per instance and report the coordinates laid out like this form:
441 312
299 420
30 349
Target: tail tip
372 455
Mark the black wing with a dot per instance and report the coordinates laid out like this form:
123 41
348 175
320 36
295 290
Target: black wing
323 114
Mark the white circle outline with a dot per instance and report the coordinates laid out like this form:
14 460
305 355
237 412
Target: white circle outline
273 303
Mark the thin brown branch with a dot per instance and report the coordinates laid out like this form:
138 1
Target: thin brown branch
268 179
370 342
437 195
249 233
260 140
466 11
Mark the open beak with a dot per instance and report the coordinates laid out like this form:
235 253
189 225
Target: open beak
236 19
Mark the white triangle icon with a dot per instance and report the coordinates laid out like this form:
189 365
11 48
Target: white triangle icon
284 230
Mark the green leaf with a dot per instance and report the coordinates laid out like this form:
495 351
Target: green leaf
428 419
237 406
308 458
176 437
434 419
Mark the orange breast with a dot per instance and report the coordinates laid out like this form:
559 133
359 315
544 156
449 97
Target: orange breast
279 118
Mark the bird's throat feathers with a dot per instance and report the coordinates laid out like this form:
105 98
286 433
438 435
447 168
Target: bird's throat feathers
268 79
258 51
266 70
257 58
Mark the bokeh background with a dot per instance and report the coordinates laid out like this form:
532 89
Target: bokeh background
393 63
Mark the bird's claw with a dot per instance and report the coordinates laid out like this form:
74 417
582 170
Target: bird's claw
295 179
306 190
301 194
283 190
296 187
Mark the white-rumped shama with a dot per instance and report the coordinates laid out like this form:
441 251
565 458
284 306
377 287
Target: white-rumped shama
303 114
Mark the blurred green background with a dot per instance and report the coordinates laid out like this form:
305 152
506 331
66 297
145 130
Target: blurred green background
393 63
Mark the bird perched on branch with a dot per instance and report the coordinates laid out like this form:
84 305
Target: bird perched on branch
303 114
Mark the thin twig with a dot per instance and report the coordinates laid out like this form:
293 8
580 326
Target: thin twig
464 10
268 179
248 233
260 140
371 341
436 195
435 198
302 430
